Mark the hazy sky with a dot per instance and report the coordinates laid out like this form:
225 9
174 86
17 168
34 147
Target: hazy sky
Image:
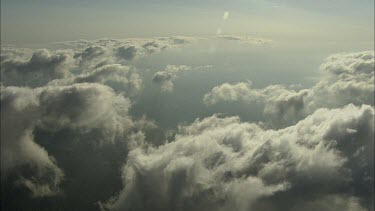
41 21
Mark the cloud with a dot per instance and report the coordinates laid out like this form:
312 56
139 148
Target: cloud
244 39
40 173
92 110
281 105
166 77
66 130
91 52
331 203
36 70
225 164
8 52
84 106
125 50
345 79
80 94
121 78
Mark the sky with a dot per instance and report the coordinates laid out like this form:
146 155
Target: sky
194 105
25 22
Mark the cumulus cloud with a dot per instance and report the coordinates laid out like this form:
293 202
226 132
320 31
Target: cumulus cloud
37 70
345 78
85 108
18 151
65 117
166 77
8 52
281 105
225 164
128 49
82 90
121 78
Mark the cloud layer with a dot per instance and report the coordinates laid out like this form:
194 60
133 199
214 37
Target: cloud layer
244 39
69 137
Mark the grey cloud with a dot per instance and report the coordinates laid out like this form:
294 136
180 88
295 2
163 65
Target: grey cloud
331 203
73 95
146 42
245 39
94 64
345 79
166 77
36 70
11 52
134 48
81 102
85 108
225 164
281 105
121 78
126 52
18 151
162 76
350 63
127 49
91 52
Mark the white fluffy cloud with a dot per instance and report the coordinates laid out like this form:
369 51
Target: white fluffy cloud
225 164
345 78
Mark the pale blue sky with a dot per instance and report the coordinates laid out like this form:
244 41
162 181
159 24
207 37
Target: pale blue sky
42 21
